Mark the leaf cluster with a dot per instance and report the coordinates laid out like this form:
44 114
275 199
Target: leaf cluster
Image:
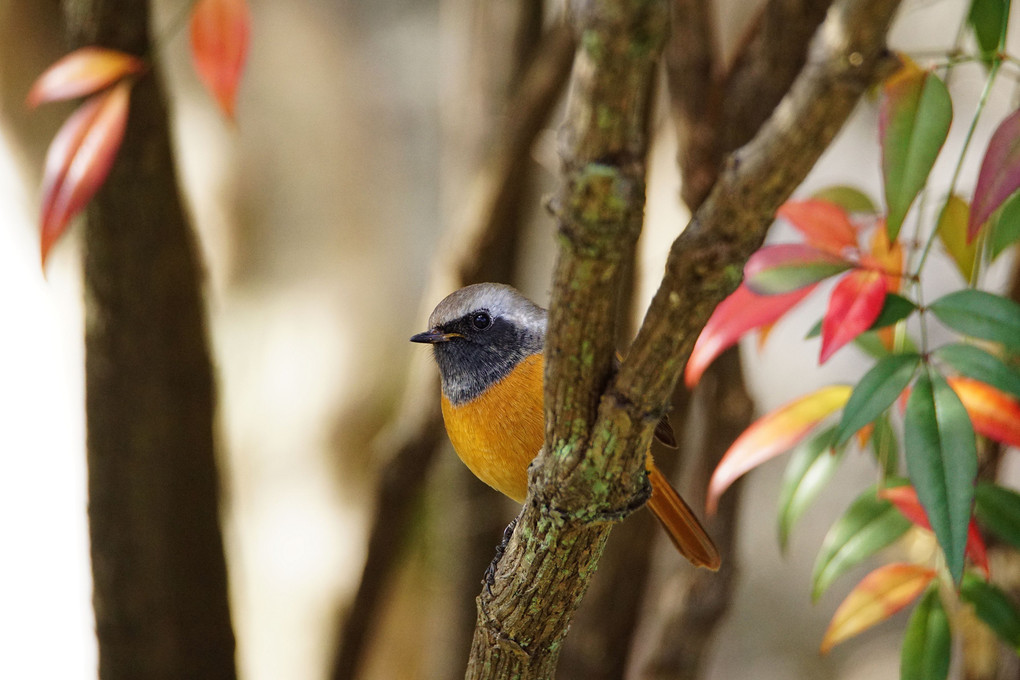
921 410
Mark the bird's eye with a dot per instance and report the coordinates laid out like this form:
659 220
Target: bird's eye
481 320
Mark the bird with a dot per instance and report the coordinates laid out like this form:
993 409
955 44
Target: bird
487 339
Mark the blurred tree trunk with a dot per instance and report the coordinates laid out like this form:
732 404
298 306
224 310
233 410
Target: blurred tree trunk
715 112
497 39
472 249
160 593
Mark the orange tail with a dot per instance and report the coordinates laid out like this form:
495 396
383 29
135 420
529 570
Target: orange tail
679 521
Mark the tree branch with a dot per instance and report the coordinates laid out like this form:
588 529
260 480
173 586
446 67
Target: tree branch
766 63
694 96
705 262
571 505
522 619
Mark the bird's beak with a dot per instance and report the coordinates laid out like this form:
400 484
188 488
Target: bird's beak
433 336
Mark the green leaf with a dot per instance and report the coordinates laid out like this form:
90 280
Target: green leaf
974 362
942 462
876 392
894 309
872 345
993 607
885 446
851 199
811 466
952 230
998 510
980 315
1004 228
985 18
914 119
927 642
787 267
868 525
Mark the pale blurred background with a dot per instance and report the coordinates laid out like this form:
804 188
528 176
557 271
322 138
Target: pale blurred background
319 213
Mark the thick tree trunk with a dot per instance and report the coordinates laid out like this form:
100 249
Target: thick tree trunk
157 556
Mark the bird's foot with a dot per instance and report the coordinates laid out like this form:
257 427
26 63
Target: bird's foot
490 572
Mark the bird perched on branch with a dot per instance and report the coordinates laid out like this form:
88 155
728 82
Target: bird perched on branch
487 339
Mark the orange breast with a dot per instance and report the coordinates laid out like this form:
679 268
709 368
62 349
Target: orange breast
498 434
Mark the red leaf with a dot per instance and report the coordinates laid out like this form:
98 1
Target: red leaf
788 267
999 176
824 224
79 159
855 303
772 435
994 413
742 311
219 46
82 73
906 501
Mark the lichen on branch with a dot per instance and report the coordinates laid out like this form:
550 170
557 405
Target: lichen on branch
598 424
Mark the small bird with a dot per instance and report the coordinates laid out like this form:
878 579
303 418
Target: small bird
487 339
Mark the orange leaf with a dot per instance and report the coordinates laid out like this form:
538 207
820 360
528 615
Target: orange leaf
79 159
855 303
993 413
885 257
888 258
219 46
742 311
905 499
824 224
773 434
82 73
878 596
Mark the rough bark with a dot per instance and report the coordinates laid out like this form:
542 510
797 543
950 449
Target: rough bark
160 591
540 580
591 473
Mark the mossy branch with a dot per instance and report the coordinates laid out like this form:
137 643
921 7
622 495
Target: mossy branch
599 425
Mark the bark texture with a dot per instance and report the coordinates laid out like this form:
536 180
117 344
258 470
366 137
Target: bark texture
598 425
160 579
